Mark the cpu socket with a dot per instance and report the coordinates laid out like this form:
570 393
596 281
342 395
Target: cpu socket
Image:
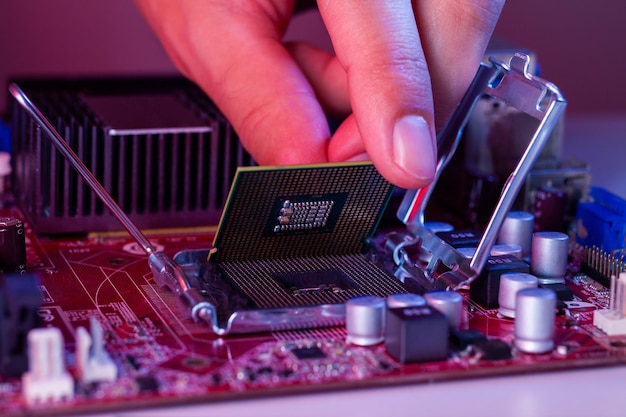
291 247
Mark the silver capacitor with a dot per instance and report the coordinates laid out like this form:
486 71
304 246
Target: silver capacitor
449 303
548 260
403 300
497 250
517 229
507 249
535 309
510 284
365 320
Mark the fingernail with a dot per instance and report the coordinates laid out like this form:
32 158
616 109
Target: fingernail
413 147
360 157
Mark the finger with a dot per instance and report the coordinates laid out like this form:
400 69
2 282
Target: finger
325 75
233 51
346 144
454 37
378 46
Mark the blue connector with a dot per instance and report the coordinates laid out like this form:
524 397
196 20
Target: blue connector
5 137
601 222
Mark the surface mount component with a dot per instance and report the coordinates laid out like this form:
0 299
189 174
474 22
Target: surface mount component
416 334
514 85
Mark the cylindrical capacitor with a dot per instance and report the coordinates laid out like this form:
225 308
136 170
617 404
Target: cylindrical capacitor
449 303
403 300
365 320
510 284
535 309
518 229
497 250
12 245
548 259
507 249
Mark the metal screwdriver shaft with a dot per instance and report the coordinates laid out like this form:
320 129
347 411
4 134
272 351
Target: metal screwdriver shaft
166 272
78 165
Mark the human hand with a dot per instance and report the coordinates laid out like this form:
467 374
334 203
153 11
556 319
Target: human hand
399 70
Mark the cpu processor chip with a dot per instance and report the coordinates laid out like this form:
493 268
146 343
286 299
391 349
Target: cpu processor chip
300 211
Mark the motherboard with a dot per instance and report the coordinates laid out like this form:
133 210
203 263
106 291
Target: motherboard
316 278
160 357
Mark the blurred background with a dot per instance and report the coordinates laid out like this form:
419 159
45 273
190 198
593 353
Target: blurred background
579 45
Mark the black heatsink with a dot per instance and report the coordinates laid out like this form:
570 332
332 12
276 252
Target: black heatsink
159 146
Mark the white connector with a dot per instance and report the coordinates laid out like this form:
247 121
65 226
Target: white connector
47 379
93 363
613 320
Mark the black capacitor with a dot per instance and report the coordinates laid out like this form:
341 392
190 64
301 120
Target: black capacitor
461 238
12 245
416 334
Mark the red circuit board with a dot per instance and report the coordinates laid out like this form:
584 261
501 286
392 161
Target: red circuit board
164 358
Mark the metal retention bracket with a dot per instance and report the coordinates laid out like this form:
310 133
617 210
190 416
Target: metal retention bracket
512 84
